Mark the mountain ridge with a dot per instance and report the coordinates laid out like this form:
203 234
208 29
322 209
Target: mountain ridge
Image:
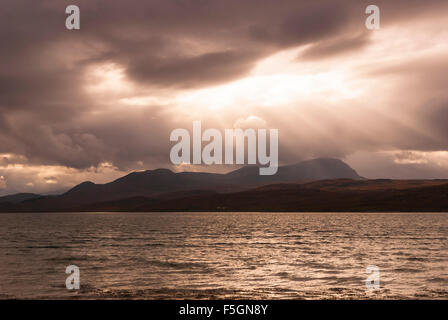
149 182
164 182
339 195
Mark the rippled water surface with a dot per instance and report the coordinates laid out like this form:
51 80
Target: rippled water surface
224 255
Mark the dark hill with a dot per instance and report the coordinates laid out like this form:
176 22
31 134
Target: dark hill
156 183
366 197
19 197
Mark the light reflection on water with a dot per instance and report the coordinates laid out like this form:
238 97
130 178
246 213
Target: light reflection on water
224 255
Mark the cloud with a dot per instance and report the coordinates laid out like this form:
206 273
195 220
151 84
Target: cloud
195 71
2 183
113 91
48 179
251 122
401 164
325 49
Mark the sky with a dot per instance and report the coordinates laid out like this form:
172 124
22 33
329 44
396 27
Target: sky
100 102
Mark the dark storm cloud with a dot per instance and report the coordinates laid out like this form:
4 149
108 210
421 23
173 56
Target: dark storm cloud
324 49
199 43
202 70
47 116
123 139
150 38
159 43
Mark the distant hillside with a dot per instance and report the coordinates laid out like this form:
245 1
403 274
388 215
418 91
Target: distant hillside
335 195
19 197
328 196
317 169
158 183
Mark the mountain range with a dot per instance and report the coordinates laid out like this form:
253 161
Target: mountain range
323 184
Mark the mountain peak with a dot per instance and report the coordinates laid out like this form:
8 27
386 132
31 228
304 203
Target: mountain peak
314 169
155 183
321 169
160 171
80 187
